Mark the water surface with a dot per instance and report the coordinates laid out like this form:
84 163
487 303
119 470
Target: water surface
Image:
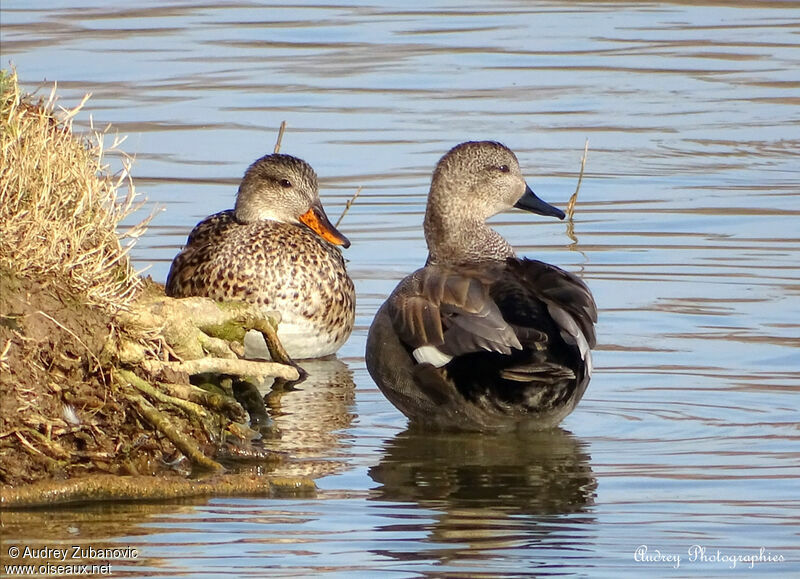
686 231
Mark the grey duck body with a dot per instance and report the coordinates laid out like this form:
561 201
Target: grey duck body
479 339
270 256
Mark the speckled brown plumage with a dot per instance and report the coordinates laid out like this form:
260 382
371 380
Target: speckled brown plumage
282 266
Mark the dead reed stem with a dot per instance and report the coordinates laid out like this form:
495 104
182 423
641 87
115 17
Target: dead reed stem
277 148
574 198
348 205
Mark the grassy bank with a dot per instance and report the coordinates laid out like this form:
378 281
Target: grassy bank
94 361
63 274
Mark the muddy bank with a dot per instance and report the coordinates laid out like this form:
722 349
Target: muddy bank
99 371
61 414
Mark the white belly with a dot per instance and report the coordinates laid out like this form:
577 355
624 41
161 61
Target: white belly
300 338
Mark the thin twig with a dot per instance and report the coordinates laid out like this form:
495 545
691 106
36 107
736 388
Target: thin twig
348 205
574 198
27 444
81 342
4 355
55 449
280 138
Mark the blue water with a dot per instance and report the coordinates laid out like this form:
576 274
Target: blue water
685 229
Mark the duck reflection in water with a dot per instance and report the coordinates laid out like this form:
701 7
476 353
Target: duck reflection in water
491 491
306 420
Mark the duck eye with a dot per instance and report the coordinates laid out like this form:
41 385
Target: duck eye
285 183
504 168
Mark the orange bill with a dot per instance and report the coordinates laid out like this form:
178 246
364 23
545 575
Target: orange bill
316 220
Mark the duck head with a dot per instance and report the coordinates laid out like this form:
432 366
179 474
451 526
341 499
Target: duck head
483 178
284 188
471 183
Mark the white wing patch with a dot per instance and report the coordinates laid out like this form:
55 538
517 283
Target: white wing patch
431 355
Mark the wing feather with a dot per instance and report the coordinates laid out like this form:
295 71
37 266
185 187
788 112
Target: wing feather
451 309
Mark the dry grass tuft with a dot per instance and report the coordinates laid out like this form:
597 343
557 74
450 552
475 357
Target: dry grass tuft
59 208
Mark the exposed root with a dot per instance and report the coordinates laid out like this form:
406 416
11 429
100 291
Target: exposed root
142 488
197 327
216 402
235 367
160 421
193 410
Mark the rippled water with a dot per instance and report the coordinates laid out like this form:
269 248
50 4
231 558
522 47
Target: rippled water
686 230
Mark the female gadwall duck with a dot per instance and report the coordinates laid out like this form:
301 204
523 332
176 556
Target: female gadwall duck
479 339
276 248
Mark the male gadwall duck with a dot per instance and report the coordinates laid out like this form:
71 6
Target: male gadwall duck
479 339
276 248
